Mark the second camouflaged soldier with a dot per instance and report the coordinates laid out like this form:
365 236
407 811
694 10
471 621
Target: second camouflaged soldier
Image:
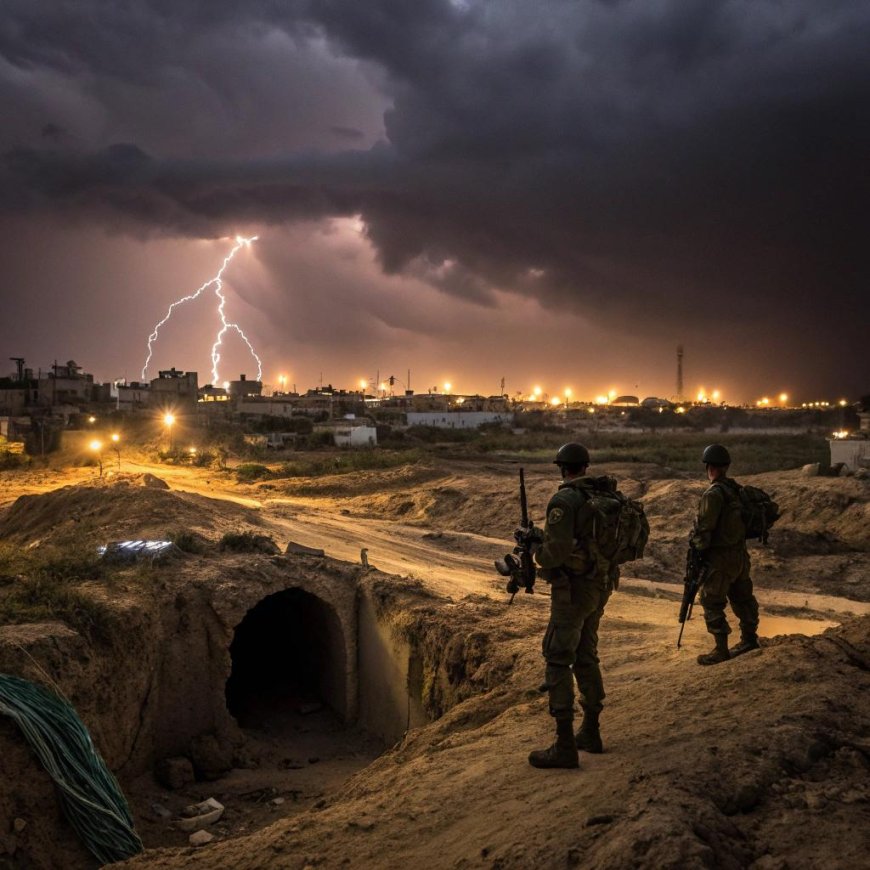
580 586
720 536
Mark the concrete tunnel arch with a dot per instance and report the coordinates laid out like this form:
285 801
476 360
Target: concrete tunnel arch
290 648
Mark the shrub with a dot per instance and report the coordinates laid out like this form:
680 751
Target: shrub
248 472
46 584
188 542
247 542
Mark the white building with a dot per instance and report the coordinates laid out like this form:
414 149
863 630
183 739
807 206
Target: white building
355 436
456 419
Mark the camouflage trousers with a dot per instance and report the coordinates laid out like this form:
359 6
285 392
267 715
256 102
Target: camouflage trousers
571 646
729 581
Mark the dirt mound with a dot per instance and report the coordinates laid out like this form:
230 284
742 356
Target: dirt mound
760 762
117 510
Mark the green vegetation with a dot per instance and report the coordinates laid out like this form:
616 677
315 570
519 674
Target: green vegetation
348 461
751 454
10 461
188 542
46 584
247 542
248 472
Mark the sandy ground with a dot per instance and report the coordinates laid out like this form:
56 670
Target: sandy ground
759 762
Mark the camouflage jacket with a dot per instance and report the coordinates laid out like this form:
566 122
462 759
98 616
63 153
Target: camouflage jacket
565 528
720 523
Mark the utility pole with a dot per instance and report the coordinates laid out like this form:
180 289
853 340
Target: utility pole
679 373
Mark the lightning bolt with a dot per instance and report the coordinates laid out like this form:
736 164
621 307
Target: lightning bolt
217 283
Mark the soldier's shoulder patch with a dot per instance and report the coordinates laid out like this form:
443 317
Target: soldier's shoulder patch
555 515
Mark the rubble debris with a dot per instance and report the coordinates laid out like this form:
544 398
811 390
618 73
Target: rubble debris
212 757
174 773
201 815
200 838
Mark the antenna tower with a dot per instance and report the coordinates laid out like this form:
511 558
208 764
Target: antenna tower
679 372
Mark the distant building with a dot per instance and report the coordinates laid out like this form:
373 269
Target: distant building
456 419
853 450
351 432
243 388
65 385
655 402
130 397
175 389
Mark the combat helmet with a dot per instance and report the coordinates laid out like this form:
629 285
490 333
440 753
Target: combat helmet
716 454
572 454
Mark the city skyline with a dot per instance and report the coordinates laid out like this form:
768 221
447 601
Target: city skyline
556 195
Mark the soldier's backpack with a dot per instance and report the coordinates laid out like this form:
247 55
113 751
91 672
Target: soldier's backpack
757 510
620 528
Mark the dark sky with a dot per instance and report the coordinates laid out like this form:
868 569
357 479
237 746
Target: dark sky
556 192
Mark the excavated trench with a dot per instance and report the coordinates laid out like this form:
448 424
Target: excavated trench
263 681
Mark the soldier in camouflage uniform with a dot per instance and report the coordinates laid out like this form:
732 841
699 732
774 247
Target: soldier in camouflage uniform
720 536
581 582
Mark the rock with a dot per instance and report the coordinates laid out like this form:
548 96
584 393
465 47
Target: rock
206 806
294 549
174 773
845 471
862 474
276 802
160 812
19 825
153 482
211 809
212 757
200 838
810 470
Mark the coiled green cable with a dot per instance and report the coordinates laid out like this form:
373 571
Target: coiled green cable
90 795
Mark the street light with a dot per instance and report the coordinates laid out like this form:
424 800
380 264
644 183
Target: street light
447 386
116 441
97 447
168 420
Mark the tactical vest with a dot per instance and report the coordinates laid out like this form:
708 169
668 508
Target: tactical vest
730 530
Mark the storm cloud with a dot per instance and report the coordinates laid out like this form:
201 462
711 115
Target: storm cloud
640 165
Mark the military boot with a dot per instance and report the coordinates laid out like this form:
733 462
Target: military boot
588 737
748 642
718 654
563 753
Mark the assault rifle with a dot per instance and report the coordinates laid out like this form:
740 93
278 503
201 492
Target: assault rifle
696 573
519 565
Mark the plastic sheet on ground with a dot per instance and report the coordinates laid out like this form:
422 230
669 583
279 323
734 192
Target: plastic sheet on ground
133 551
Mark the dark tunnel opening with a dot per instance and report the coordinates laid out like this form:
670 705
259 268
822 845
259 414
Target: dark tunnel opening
288 652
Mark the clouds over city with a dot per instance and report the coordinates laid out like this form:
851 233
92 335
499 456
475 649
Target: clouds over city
637 166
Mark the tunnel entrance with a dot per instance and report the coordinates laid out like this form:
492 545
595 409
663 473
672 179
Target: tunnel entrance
288 655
